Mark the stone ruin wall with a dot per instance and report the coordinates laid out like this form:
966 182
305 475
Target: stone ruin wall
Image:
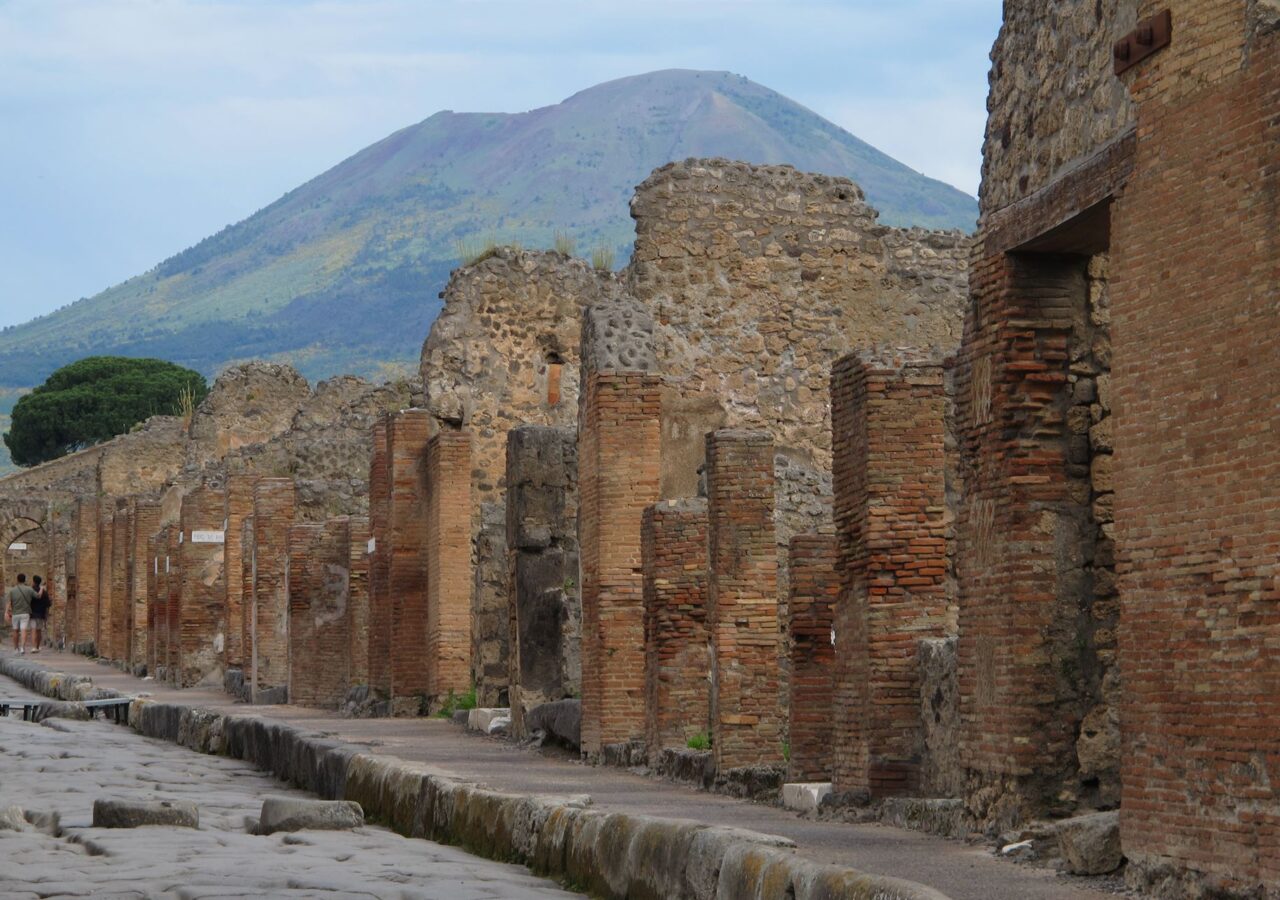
757 277
1054 99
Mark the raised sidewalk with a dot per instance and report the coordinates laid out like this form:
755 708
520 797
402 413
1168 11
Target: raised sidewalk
636 835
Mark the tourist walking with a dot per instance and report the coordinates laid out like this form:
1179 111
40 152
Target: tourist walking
17 611
40 605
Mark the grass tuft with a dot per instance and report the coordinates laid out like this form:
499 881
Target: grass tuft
602 259
699 741
563 243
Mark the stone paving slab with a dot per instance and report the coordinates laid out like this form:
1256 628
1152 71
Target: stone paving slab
959 870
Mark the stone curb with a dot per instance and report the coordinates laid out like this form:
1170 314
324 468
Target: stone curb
606 854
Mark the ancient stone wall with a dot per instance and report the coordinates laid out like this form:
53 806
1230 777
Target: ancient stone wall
677 661
815 588
1054 98
202 592
541 531
742 601
358 566
239 493
268 649
319 613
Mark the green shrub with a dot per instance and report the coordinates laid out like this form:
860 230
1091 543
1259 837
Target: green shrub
602 259
455 702
699 741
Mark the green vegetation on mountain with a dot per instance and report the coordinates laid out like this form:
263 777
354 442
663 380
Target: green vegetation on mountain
343 273
94 400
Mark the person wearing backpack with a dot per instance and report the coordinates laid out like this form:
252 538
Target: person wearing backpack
40 605
17 611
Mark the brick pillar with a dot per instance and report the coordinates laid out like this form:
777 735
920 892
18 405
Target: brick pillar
618 476
746 718
408 434
202 595
815 586
121 601
106 529
358 558
85 627
153 592
888 420
544 607
448 561
239 508
172 595
273 506
379 652
319 632
247 569
144 521
677 658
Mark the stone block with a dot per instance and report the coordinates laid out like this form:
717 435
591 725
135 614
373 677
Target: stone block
290 814
137 813
1090 844
560 722
481 718
804 796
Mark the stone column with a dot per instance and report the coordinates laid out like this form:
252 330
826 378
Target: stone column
619 440
273 507
448 564
84 628
203 591
677 655
815 587
887 414
239 508
144 522
407 435
379 652
743 600
319 624
542 541
358 559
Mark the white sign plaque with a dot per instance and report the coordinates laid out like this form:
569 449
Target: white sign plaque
373 544
17 545
208 537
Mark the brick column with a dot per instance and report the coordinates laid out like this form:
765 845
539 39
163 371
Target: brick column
106 530
742 614
153 582
172 596
85 626
815 586
448 564
677 658
888 468
121 601
319 623
247 570
407 436
358 558
619 444
144 522
202 595
379 652
273 506
541 537
239 508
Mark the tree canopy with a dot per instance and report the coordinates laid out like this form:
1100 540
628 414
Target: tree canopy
95 399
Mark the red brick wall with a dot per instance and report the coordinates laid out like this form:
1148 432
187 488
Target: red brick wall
358 558
319 614
143 524
239 507
677 659
618 452
814 590
746 715
202 593
102 628
448 563
273 505
888 468
407 435
85 625
121 599
379 652
1196 329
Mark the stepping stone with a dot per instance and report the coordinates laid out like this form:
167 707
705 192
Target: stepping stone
289 814
137 813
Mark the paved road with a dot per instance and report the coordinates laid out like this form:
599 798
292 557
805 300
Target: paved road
962 871
62 766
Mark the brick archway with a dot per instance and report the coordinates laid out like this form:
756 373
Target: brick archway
21 516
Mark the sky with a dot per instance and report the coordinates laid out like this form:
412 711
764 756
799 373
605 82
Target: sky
131 129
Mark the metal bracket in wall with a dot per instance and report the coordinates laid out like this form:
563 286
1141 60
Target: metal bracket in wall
1151 36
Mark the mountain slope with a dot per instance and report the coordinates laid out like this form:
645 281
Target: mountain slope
342 273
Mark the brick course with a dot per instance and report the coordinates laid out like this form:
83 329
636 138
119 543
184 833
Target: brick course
677 656
887 420
815 590
746 714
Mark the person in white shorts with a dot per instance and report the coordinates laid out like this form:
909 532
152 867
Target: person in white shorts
18 611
